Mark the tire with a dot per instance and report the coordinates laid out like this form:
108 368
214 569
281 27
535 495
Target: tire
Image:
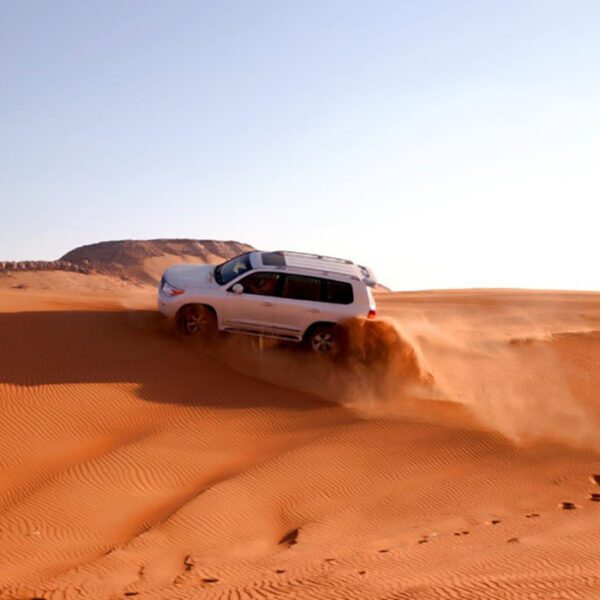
197 320
326 340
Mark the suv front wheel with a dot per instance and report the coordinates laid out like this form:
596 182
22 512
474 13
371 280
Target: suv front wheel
195 319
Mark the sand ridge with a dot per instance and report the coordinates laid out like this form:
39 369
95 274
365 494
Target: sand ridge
135 463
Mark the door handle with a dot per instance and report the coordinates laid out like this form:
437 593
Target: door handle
314 310
266 304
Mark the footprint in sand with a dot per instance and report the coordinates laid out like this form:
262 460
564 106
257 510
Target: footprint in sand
290 538
494 522
280 571
383 551
595 479
532 516
210 580
594 497
567 505
428 536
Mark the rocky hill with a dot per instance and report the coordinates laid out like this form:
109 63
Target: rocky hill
138 261
144 260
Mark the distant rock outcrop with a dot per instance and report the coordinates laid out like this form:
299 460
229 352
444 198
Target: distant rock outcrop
138 261
42 265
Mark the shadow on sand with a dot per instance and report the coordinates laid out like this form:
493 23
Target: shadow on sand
139 347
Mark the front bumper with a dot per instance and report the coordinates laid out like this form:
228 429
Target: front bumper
167 305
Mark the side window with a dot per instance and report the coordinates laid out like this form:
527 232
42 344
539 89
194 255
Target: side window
301 287
337 292
261 284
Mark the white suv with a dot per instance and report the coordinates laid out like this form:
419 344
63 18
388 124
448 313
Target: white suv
286 295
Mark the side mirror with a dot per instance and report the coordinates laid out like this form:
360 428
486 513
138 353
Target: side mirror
238 288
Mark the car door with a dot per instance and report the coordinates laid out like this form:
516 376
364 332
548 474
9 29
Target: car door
251 311
298 306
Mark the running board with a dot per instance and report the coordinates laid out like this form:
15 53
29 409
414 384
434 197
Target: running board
289 338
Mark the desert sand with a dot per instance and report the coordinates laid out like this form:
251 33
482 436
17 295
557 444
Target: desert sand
433 463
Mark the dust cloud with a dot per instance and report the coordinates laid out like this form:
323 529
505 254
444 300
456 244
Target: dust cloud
539 391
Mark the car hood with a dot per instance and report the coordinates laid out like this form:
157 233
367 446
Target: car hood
187 276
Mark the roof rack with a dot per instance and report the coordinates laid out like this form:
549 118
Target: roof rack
328 264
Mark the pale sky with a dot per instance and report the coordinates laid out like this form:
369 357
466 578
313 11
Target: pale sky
446 144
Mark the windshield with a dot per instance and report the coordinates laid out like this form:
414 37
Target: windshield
232 268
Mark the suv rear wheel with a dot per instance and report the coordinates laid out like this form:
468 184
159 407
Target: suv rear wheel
195 319
326 340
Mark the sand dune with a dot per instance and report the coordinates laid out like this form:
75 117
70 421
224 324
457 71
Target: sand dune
430 464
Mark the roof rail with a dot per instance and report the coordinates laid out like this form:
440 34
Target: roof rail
309 254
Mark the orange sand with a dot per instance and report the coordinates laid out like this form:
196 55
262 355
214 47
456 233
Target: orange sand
135 463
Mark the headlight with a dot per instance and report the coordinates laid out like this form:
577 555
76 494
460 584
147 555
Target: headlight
170 290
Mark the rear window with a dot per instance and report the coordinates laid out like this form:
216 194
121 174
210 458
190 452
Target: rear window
337 292
316 289
301 287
